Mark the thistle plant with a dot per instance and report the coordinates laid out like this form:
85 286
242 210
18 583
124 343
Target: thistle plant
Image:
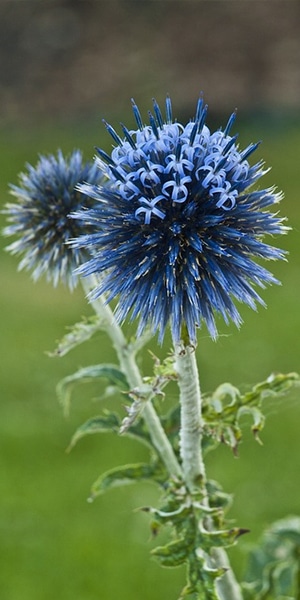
46 195
170 227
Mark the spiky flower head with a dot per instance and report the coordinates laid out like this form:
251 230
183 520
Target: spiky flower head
46 195
177 234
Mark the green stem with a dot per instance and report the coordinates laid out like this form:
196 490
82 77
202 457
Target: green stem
130 368
191 453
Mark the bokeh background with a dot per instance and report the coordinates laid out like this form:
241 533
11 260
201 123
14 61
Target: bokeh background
65 65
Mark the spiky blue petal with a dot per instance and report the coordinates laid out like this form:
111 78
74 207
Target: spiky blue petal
177 234
46 195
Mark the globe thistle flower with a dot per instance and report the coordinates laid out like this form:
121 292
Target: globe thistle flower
46 195
177 234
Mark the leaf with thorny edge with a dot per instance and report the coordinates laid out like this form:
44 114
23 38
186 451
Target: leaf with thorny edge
110 372
77 334
127 475
223 410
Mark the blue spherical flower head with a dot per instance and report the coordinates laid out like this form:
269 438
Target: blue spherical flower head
40 218
177 233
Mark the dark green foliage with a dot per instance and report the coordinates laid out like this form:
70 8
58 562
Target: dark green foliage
128 474
110 372
107 422
225 409
273 571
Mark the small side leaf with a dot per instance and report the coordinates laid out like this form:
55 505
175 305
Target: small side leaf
172 554
140 432
110 372
276 384
223 410
273 569
126 475
219 539
257 417
77 334
108 422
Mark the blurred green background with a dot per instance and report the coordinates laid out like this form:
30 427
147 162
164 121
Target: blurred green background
52 542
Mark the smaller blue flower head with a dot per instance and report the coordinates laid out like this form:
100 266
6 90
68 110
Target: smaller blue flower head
177 231
45 196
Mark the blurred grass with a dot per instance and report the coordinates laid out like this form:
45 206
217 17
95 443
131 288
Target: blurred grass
52 542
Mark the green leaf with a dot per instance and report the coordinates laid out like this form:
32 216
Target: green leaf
273 570
201 575
140 431
225 408
219 539
201 578
172 554
276 384
108 422
217 497
126 475
110 372
77 334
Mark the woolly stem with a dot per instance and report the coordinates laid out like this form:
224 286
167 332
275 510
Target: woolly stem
227 586
191 419
131 370
191 453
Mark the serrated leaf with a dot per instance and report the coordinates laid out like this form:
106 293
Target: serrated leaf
223 410
127 475
199 592
217 497
108 422
276 384
140 431
219 539
110 372
166 516
77 334
273 569
256 415
222 393
172 554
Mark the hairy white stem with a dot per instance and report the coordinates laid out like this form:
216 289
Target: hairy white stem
131 370
191 453
191 419
227 586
